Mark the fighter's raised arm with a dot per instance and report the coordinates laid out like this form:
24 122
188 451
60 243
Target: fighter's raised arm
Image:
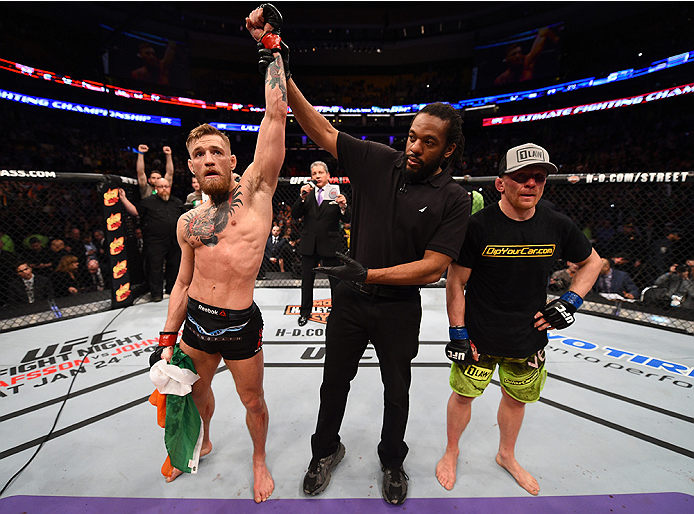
269 150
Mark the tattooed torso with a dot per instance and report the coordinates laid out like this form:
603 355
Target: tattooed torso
203 226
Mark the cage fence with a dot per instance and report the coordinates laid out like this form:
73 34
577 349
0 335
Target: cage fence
641 222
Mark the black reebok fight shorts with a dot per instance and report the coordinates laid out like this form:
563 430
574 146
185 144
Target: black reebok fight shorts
236 335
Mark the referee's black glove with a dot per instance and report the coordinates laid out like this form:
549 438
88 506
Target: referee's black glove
351 270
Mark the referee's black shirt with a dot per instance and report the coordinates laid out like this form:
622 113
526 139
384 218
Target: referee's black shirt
392 224
160 217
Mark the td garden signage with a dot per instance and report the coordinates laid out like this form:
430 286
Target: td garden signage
121 294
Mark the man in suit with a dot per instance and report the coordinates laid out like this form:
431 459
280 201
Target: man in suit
275 249
320 236
28 287
98 277
615 281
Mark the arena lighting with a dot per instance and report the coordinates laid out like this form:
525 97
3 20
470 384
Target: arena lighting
566 87
87 109
592 107
235 127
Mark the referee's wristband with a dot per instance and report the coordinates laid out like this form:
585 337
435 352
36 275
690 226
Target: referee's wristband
573 299
457 333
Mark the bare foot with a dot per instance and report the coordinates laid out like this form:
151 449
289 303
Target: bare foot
263 484
174 475
205 448
524 479
446 470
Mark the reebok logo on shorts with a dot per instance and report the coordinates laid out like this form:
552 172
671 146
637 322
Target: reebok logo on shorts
476 373
518 250
208 310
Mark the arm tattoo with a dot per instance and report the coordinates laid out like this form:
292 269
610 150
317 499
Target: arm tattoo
273 78
204 226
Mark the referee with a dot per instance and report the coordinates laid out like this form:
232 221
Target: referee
408 222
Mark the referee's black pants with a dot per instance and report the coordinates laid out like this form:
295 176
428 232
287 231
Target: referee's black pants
308 277
162 252
392 326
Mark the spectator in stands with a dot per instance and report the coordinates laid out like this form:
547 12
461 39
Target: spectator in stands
275 252
615 281
561 279
58 251
195 198
685 294
66 277
671 281
40 237
73 243
90 249
28 287
159 214
38 257
98 278
147 183
663 251
690 264
101 246
8 244
628 243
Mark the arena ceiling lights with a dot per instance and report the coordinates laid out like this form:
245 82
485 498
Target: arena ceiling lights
567 87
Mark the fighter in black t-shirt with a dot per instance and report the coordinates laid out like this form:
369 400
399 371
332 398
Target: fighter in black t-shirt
496 296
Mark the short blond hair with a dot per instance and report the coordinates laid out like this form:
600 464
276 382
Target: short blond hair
206 130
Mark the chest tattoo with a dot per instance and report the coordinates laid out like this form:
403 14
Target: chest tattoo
206 225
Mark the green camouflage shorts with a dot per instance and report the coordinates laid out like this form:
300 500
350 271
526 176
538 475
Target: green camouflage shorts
522 379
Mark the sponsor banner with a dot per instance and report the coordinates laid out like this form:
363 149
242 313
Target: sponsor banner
306 180
598 106
121 292
30 367
87 109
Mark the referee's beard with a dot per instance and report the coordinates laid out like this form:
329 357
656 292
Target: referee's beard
426 169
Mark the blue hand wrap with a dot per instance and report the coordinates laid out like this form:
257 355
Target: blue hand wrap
572 298
457 333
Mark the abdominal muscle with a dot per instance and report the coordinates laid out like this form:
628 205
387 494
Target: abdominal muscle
224 274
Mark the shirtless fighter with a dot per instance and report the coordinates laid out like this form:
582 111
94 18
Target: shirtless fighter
222 243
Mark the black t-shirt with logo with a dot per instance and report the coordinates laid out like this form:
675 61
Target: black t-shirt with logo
392 224
511 262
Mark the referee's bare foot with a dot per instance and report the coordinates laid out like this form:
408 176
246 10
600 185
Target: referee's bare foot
446 469
524 479
263 484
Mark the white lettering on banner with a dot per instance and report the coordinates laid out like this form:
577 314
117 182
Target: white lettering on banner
30 173
599 106
668 177
635 358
